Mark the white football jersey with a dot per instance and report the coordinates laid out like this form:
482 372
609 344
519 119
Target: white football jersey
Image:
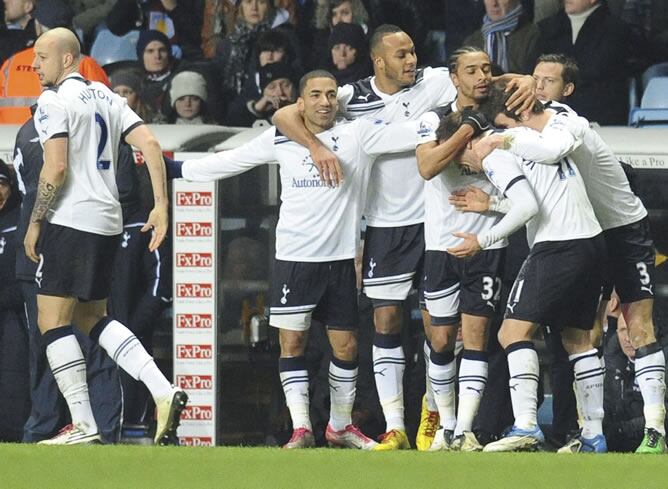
564 210
442 218
396 195
316 223
94 119
608 187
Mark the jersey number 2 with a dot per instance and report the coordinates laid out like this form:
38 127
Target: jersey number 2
102 164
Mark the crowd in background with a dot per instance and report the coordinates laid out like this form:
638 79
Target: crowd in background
235 62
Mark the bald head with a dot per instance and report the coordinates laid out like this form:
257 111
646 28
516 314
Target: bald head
57 54
63 40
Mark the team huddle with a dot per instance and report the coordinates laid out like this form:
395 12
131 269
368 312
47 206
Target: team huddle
440 192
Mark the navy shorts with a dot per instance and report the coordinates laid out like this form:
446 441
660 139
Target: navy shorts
393 262
324 291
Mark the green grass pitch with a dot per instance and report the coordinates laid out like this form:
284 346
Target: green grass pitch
130 467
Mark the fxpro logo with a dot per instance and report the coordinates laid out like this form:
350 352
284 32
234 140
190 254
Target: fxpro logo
196 441
194 199
195 382
194 352
197 413
194 260
194 321
197 291
194 229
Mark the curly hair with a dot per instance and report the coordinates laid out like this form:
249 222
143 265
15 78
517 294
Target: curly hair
323 12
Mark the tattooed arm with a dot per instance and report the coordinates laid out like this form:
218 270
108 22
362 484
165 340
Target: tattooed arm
51 179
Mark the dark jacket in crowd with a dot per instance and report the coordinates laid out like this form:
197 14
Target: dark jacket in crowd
127 15
603 49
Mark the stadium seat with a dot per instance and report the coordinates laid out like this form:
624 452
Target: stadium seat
655 95
108 48
659 69
640 117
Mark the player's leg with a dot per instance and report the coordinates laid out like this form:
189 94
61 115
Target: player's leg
473 371
338 310
588 373
429 418
633 256
294 379
296 290
442 299
68 365
650 372
479 297
392 257
516 337
124 348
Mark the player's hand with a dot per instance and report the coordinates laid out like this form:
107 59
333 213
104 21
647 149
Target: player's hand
476 120
328 165
472 199
524 97
466 248
30 240
484 146
157 222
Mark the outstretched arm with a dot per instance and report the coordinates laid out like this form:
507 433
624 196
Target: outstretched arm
433 157
290 123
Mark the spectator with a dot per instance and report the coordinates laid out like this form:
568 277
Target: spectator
89 13
556 76
155 56
349 53
507 35
602 46
329 13
272 47
20 28
127 84
188 96
179 20
19 85
14 378
234 53
278 85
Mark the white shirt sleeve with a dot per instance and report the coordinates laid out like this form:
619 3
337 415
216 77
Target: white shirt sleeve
561 136
378 137
523 206
440 85
343 96
51 117
225 164
503 169
427 125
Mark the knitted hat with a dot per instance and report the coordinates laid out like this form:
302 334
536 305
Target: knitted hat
187 83
275 71
350 34
145 37
128 78
53 13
